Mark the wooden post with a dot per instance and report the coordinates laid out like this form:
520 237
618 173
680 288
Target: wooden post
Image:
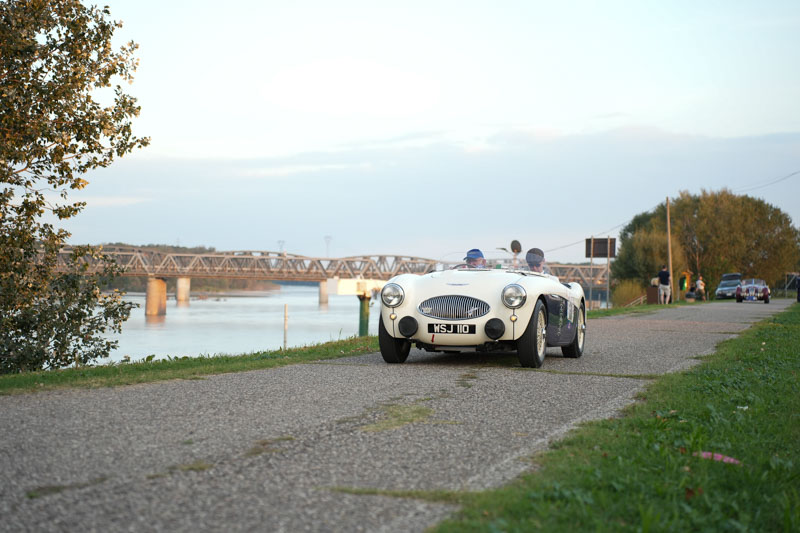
363 314
285 324
591 273
608 272
669 253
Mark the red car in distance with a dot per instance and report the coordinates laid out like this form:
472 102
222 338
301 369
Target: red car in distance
752 289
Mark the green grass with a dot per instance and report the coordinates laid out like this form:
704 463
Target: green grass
180 368
614 311
640 472
47 490
396 416
637 309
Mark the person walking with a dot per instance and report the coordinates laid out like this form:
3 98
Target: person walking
701 289
664 287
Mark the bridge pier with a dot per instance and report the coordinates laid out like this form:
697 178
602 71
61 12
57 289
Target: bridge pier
323 291
156 299
182 291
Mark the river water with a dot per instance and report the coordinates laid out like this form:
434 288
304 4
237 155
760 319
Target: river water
240 324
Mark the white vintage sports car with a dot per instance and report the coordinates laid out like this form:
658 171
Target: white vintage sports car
482 310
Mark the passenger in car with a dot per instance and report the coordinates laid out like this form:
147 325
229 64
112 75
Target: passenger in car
535 259
475 259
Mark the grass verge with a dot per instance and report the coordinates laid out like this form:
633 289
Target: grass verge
646 471
180 368
637 309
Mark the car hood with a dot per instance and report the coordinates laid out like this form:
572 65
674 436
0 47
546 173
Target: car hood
476 283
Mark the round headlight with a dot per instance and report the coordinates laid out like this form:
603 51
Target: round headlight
392 295
514 296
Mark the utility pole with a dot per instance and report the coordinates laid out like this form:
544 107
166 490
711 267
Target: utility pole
591 274
608 272
669 253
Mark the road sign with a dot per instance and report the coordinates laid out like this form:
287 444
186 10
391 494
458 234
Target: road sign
601 247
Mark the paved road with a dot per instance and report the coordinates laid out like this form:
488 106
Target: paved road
262 450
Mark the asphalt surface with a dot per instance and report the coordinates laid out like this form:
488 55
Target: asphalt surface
266 450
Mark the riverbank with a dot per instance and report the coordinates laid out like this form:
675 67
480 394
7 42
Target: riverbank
152 370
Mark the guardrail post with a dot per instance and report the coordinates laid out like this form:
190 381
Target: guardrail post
363 314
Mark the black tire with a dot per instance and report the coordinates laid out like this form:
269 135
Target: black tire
393 350
738 300
766 300
575 348
532 345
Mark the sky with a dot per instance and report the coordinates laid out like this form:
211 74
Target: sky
427 128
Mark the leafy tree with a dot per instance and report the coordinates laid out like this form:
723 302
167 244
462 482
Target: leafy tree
57 64
643 248
712 233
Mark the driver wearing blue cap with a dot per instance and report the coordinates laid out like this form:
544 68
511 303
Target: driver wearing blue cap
474 259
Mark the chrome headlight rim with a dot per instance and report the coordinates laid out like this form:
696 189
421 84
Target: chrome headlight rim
392 295
514 296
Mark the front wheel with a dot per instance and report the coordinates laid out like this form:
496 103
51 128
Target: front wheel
393 350
575 348
533 343
766 300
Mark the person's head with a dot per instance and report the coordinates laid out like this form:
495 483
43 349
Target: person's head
535 259
663 267
474 259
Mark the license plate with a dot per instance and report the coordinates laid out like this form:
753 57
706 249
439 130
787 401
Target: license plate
451 328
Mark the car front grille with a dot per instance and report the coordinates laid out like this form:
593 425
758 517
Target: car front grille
453 307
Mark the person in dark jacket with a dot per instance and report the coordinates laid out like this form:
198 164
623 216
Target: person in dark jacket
664 287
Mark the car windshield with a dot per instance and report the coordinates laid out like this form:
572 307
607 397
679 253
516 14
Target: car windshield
731 277
728 284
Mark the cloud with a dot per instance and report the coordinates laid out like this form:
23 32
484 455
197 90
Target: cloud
348 87
112 201
612 116
409 140
288 170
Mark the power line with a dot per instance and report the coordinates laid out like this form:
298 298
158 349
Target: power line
767 184
746 188
599 232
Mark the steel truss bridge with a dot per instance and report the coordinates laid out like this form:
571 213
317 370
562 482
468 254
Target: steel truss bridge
266 265
251 264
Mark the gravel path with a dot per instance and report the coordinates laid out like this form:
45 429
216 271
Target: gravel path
264 450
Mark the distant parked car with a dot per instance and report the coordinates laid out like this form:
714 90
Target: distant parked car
727 289
731 276
753 289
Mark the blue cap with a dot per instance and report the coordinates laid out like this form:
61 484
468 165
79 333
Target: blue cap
474 254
